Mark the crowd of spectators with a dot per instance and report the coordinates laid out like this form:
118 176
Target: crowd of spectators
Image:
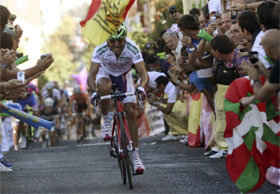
10 87
205 52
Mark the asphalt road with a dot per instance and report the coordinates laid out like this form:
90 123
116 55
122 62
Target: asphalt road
171 167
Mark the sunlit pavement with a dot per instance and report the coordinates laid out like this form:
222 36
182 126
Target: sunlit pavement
171 167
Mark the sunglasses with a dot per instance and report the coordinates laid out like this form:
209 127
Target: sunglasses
119 40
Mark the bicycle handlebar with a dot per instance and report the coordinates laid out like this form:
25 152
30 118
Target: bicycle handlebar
110 96
117 95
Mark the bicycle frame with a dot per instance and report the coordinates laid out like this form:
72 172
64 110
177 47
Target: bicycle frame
121 137
120 110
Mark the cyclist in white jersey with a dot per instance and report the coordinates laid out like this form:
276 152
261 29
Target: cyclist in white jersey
111 63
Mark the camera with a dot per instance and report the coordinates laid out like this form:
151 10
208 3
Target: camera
253 57
19 55
234 14
172 9
45 55
21 76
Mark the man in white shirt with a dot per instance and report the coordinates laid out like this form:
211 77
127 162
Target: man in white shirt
215 7
250 27
173 42
164 86
111 63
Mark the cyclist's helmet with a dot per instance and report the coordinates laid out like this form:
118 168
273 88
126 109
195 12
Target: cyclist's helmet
77 89
49 85
49 102
121 33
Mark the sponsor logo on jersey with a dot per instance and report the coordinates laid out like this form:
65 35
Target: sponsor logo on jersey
132 48
101 50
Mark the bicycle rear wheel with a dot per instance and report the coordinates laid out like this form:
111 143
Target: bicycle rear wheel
124 144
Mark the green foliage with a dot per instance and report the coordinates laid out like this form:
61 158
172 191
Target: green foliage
139 36
161 22
59 45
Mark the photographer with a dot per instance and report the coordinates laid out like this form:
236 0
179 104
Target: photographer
270 43
154 63
251 28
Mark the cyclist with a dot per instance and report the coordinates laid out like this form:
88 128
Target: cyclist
82 105
50 114
51 92
111 63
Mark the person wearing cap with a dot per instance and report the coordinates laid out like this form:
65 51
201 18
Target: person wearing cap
80 100
111 64
154 63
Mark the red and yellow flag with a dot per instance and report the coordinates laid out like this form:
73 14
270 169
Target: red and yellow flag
103 19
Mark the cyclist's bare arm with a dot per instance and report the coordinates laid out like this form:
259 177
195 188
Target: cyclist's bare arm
141 70
94 67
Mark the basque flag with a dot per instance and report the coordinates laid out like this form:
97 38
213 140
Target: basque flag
253 137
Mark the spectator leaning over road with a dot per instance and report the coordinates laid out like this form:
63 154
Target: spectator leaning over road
270 43
154 63
250 27
227 21
199 65
224 50
165 88
204 17
173 42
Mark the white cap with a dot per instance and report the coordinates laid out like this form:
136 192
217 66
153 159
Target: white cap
49 102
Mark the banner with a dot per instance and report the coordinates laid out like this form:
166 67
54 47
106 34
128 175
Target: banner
206 122
155 119
81 78
220 124
27 118
177 120
194 135
103 19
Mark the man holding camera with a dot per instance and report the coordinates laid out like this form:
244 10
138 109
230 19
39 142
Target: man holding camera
270 43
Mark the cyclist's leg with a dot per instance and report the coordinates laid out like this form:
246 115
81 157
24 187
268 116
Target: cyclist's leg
24 133
79 124
129 109
104 86
15 125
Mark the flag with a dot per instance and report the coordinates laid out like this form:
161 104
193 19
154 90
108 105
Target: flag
194 133
253 137
103 19
81 78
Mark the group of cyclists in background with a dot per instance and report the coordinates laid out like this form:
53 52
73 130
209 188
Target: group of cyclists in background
73 116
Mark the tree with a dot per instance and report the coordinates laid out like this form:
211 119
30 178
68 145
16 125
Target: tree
59 44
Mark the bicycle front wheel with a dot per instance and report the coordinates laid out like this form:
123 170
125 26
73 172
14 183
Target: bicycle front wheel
122 169
124 145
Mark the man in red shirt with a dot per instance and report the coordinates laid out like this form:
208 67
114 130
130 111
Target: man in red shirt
79 102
